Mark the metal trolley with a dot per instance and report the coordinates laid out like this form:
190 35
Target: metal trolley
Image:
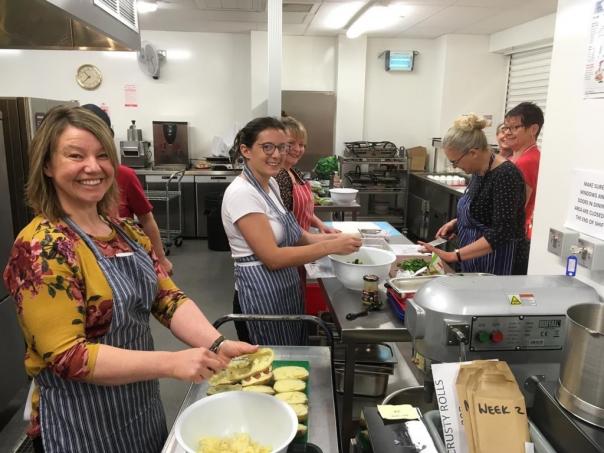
170 232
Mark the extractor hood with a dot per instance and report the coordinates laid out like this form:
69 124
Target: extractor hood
69 24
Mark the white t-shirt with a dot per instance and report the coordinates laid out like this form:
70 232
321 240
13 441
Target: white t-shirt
240 199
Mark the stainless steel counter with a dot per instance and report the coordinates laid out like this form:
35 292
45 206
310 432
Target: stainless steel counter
192 172
322 429
377 327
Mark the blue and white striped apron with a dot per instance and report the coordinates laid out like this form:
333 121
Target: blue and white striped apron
78 417
272 292
500 260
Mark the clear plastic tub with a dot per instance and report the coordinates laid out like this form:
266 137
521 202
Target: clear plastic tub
434 425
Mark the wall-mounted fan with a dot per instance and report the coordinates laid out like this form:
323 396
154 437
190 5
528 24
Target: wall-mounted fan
149 59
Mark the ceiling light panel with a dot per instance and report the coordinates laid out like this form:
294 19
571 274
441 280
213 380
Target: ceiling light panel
249 6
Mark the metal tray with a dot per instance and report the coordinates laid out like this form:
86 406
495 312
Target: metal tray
410 285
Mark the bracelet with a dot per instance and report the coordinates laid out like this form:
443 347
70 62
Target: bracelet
216 345
458 255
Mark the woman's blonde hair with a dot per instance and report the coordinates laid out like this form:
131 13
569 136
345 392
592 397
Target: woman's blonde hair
466 134
295 128
40 190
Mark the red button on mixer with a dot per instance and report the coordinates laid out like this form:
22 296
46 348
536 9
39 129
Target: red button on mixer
496 336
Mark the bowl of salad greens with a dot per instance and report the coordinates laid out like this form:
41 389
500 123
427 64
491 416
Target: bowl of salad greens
350 269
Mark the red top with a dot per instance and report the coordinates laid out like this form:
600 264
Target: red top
132 195
528 164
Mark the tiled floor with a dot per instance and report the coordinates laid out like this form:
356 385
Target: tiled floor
206 277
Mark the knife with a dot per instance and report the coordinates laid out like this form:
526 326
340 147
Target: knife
438 241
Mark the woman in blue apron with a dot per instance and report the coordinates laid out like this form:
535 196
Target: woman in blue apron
84 286
490 214
267 244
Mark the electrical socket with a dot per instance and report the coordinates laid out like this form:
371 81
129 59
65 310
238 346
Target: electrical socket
561 240
591 253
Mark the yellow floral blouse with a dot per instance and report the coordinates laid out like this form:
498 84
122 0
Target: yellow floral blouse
64 303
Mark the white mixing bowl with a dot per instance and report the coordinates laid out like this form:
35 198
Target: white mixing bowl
375 261
268 420
343 196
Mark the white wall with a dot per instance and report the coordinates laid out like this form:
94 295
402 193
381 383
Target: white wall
525 36
350 95
203 82
574 135
309 64
473 81
399 105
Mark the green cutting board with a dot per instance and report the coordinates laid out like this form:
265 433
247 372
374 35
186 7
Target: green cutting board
303 364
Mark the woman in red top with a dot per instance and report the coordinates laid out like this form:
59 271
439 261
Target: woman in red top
295 191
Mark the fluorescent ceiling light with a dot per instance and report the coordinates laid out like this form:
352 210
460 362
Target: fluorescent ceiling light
378 17
146 7
341 14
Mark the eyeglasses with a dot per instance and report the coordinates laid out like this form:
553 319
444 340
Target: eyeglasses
269 148
456 161
506 129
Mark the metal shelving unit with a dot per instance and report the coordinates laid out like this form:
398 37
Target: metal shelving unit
383 185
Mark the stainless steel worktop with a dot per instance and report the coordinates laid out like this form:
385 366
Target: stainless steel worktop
192 172
377 327
322 429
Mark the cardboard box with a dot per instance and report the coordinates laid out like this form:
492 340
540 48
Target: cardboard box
418 156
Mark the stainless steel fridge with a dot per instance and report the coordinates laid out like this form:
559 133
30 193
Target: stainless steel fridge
13 390
21 117
317 111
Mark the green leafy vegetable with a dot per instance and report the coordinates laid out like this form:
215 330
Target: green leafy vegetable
356 261
412 265
326 166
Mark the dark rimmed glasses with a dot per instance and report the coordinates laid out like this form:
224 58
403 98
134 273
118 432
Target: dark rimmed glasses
269 148
513 129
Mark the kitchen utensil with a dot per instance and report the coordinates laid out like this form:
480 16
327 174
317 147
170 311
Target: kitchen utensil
438 241
343 196
268 420
420 271
374 261
581 378
353 316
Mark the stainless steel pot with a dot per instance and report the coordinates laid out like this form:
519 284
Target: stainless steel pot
581 389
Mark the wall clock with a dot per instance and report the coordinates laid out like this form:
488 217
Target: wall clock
89 76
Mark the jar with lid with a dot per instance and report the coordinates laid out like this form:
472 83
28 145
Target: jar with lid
336 182
370 294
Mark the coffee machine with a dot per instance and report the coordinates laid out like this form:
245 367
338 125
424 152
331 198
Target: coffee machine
135 152
170 144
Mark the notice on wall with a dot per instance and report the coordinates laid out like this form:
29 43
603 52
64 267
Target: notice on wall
594 68
586 208
130 97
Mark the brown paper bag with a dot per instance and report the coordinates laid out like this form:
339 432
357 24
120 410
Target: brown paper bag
468 375
498 412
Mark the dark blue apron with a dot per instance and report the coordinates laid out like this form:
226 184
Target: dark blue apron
272 292
500 260
78 417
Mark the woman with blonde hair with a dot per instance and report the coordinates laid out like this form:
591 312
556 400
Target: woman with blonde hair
85 285
295 191
490 215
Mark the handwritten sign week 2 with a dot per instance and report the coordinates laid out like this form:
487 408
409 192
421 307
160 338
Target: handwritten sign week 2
496 409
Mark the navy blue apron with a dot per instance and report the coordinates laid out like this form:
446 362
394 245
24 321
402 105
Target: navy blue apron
78 417
272 292
501 259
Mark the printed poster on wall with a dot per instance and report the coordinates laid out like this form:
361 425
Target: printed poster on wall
130 98
586 208
594 68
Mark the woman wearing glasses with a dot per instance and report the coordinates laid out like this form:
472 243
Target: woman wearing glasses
266 242
490 215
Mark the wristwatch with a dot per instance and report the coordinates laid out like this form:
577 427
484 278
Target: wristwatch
458 255
216 345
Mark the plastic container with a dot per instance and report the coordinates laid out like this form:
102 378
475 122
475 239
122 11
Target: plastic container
434 424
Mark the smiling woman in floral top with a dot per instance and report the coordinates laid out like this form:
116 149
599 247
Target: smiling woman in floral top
85 285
